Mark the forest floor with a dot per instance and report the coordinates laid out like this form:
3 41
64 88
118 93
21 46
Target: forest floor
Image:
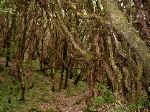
40 97
62 103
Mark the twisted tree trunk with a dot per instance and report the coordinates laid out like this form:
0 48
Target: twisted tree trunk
120 23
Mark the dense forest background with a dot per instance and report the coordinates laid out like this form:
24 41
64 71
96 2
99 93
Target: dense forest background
74 55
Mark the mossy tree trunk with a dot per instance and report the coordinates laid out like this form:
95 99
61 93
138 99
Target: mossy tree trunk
120 23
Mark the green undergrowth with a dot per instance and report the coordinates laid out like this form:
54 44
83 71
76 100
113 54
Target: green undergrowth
107 101
99 101
41 93
36 96
74 90
10 94
131 107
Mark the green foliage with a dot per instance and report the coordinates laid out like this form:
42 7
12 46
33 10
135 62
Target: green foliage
139 104
107 93
10 94
9 89
51 110
101 100
36 64
3 3
98 101
70 91
131 107
6 6
34 110
82 86
91 109
2 52
73 90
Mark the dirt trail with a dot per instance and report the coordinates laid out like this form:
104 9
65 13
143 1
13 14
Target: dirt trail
63 103
71 104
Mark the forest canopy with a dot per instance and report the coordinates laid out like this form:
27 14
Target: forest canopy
98 42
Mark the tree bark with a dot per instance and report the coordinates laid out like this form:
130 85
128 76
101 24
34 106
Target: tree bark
117 19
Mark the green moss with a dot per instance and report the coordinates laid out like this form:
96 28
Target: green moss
73 90
10 92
